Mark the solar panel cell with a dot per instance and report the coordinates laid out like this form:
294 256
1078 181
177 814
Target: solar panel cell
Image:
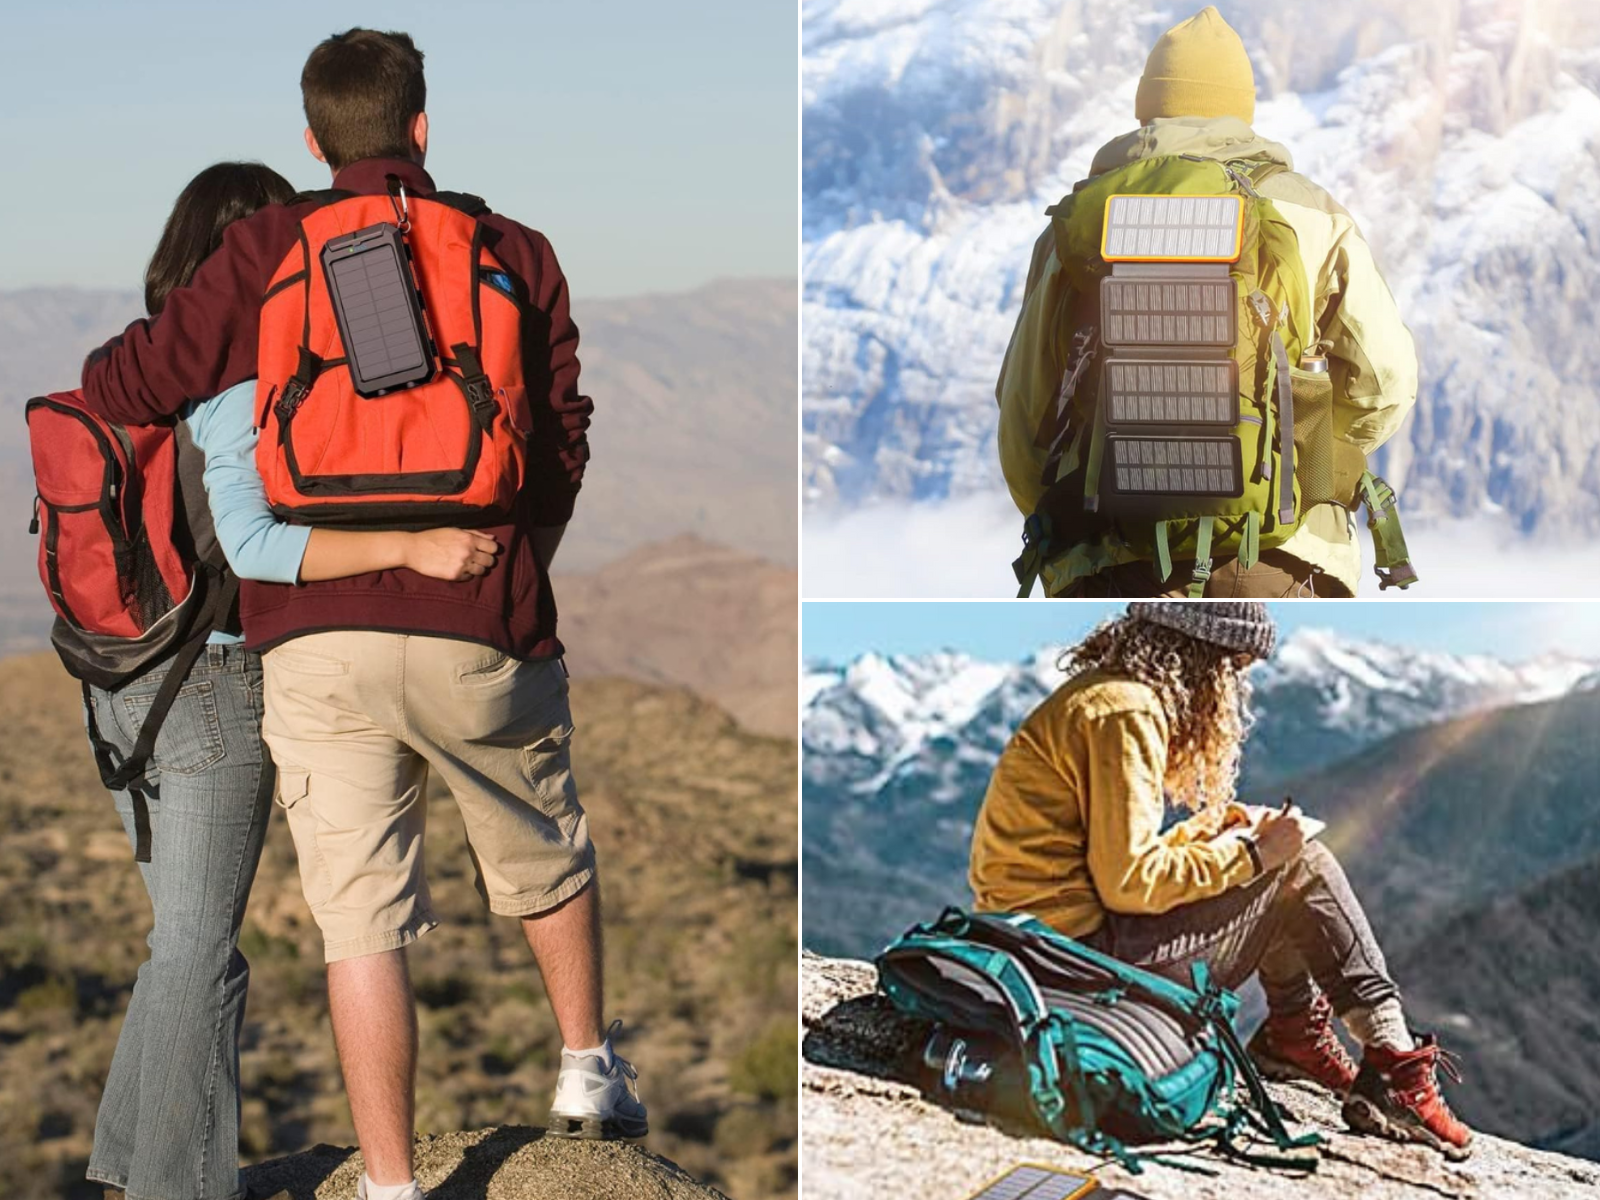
1172 228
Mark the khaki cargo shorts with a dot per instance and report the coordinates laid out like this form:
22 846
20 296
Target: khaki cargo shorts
354 721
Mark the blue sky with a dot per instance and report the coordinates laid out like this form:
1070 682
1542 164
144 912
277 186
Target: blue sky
1005 630
655 144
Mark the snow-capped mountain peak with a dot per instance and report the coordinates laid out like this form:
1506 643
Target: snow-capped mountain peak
940 720
1374 689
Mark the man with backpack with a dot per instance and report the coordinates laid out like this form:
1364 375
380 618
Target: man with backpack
417 367
1117 383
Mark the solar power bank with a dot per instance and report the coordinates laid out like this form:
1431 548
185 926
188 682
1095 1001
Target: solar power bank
1033 1182
379 309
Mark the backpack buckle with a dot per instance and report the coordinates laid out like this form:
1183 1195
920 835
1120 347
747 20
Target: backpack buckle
294 394
480 394
1262 307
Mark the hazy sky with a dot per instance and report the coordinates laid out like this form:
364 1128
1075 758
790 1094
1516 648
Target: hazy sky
1007 630
655 144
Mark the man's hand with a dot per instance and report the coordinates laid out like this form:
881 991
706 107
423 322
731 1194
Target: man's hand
450 553
1279 837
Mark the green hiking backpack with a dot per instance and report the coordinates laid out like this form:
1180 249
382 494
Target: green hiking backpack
1101 1054
1183 426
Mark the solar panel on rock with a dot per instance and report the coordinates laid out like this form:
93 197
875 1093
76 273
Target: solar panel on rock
1037 1183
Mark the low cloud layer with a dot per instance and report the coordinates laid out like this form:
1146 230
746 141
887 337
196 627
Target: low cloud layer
964 548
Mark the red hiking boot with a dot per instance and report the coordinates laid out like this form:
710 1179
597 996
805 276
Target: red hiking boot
1396 1095
1303 1045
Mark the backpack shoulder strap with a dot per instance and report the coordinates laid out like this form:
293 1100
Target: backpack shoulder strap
128 774
466 202
320 197
1259 170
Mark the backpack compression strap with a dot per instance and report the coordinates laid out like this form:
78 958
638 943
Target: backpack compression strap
1202 558
1391 559
1035 548
1056 428
1271 324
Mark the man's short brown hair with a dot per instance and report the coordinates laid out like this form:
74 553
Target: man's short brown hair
361 89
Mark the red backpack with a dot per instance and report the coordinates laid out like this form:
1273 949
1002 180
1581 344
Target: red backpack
130 561
390 385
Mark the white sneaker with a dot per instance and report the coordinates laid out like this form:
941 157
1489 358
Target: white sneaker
414 1192
594 1103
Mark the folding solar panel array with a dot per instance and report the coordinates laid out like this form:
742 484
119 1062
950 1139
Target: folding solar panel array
1169 312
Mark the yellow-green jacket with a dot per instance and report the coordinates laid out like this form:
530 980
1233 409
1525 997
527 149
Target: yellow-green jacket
1372 356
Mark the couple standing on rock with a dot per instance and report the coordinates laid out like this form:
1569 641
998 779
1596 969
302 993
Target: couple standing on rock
1156 706
372 639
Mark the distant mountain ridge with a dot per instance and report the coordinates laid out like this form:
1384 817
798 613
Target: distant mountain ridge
899 749
692 614
693 429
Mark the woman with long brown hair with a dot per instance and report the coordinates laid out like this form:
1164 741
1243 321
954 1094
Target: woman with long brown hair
1073 829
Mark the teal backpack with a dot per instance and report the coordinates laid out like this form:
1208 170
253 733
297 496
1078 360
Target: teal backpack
1100 1053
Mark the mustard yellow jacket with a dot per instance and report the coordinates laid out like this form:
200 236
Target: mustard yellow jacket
1373 358
1071 824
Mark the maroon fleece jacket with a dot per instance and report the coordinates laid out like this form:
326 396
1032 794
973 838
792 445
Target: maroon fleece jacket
204 341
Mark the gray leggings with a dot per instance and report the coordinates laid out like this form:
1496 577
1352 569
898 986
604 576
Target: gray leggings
1299 927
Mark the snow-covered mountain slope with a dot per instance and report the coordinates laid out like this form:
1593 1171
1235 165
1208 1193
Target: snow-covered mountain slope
1464 135
933 724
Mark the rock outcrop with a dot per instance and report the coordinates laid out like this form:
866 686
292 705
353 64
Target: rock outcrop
868 1133
512 1162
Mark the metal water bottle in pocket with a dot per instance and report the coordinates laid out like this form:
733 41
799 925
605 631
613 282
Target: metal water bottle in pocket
959 1072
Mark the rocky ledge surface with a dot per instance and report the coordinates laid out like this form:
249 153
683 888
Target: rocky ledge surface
511 1162
866 1133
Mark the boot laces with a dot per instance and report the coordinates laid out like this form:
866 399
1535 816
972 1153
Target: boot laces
1316 1027
1420 1081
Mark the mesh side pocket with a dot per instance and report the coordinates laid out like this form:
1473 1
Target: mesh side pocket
1313 435
151 599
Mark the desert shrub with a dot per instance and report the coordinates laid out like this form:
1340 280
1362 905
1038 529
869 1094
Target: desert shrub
743 1131
259 946
769 1067
444 991
54 994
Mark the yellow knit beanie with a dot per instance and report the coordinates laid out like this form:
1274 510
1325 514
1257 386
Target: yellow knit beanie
1198 68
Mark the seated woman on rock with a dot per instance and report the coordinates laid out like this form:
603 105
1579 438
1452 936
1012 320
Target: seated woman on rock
1156 705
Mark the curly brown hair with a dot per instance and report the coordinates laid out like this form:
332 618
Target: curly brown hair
1203 692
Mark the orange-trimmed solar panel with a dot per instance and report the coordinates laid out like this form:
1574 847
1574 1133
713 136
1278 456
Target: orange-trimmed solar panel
1191 229
1030 1182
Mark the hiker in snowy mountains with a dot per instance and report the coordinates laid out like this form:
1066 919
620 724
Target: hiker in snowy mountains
1155 709
1195 104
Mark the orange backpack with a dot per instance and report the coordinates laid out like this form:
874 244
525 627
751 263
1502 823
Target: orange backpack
449 448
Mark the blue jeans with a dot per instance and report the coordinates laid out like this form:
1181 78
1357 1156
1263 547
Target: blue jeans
168 1127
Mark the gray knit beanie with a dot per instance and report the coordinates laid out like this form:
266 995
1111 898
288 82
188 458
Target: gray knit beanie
1243 625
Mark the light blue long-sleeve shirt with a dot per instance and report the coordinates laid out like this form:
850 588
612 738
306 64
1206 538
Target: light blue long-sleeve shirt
256 543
